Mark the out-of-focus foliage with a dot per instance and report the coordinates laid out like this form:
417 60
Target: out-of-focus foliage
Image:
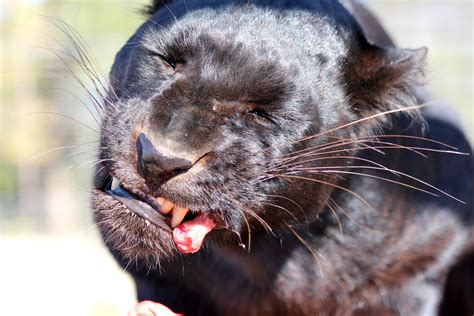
55 257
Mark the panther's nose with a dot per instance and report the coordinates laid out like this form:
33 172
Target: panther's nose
156 165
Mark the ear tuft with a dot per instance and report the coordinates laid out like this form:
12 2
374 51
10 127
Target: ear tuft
412 56
383 79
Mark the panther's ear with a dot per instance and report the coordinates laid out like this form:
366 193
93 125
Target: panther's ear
381 79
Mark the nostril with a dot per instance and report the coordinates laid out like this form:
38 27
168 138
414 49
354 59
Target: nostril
154 163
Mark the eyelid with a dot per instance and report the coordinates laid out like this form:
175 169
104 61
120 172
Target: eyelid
259 112
262 114
235 107
164 59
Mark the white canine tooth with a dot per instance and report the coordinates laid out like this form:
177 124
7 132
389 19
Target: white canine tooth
115 184
147 222
178 215
166 207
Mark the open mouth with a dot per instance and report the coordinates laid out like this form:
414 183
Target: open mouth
188 228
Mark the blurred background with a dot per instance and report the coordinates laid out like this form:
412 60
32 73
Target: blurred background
52 259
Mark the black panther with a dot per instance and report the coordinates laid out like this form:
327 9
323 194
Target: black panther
275 158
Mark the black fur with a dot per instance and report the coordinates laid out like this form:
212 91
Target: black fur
246 86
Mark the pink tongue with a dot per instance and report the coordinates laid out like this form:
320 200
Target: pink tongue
189 236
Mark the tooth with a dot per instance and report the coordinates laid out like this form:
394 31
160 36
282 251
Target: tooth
166 207
178 215
115 184
160 201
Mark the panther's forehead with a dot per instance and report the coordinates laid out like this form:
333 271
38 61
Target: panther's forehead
229 56
208 69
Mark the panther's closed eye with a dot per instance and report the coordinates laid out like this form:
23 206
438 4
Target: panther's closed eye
261 114
167 61
242 108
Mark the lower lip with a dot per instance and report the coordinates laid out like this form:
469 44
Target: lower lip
140 208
